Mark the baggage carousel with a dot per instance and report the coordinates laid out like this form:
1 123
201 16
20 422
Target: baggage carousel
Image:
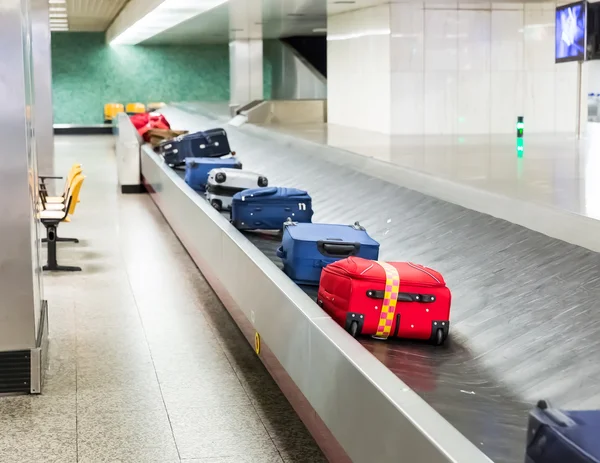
518 297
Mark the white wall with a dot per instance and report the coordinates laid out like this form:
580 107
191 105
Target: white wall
453 69
358 69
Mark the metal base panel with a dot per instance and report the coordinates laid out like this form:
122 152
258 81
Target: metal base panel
133 189
22 371
71 129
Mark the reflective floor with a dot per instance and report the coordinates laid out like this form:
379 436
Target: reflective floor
555 170
524 318
145 364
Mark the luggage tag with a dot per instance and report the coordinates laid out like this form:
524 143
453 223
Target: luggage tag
390 298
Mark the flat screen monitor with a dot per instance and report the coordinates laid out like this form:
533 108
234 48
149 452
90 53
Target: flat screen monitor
570 32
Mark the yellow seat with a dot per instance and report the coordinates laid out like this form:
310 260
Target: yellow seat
52 218
111 110
58 203
76 169
135 108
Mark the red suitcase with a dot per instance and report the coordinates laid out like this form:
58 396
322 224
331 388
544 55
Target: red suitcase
398 299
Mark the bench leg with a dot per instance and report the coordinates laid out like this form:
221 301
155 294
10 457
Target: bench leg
52 264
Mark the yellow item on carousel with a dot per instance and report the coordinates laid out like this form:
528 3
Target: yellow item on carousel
135 108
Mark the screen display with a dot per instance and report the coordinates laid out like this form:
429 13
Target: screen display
570 32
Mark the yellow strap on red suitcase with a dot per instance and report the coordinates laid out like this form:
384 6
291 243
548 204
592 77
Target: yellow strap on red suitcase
390 298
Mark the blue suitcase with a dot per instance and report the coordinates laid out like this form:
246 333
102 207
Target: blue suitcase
267 208
555 436
307 248
210 143
197 169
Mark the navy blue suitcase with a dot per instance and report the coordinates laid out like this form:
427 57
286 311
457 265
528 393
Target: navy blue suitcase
197 169
307 248
555 436
267 208
210 143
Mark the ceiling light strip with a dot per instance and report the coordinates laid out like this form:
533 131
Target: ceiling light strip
165 16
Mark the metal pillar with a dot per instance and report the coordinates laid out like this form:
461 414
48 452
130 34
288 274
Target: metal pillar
23 313
245 52
42 68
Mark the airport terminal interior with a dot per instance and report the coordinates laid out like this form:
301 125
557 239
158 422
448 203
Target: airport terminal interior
299 231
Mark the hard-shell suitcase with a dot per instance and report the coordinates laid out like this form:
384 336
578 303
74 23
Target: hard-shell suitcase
555 436
224 183
307 248
382 299
197 169
208 144
267 208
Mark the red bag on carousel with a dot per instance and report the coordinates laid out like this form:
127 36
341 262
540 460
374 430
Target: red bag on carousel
147 121
386 299
139 120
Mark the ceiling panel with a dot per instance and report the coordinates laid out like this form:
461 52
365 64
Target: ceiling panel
92 15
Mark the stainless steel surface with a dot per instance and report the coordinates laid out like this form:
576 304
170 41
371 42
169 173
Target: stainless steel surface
127 151
20 284
39 354
352 392
287 112
292 77
42 69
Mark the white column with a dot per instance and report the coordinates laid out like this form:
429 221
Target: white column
358 69
246 71
245 52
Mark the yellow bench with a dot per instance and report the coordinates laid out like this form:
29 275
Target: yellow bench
52 218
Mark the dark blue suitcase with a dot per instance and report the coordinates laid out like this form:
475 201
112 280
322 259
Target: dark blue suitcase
210 143
197 169
555 436
307 248
267 208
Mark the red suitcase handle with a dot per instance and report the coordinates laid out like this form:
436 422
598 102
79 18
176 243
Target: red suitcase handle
403 297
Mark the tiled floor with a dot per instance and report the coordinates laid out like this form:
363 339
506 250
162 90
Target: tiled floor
145 363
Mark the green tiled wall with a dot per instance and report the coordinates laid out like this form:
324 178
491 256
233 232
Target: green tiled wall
87 73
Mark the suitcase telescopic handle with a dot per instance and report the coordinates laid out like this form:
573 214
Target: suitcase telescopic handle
555 415
337 249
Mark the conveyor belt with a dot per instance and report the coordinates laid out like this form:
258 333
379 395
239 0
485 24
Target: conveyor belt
523 321
448 378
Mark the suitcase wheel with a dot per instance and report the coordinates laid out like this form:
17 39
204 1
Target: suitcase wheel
354 323
217 204
353 330
439 338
